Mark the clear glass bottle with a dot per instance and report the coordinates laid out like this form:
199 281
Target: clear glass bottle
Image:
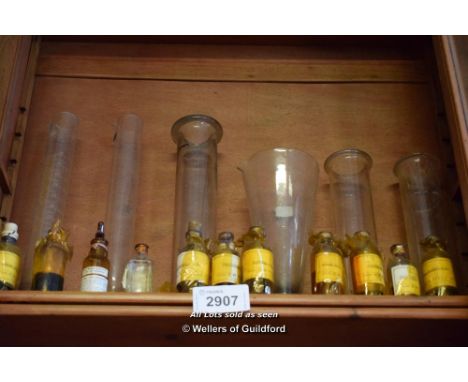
327 262
226 265
429 226
138 274
123 195
367 264
197 137
193 262
10 257
281 184
404 275
348 171
51 196
50 258
438 274
95 273
257 262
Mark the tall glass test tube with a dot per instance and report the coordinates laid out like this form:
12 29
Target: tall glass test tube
196 137
55 178
122 199
348 172
427 219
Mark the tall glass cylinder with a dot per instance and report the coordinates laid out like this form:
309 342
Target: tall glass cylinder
51 199
348 172
281 184
122 197
428 222
196 137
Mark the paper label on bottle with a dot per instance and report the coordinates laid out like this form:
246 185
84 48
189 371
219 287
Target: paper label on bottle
257 263
368 268
193 266
94 279
329 267
9 267
405 280
226 269
438 272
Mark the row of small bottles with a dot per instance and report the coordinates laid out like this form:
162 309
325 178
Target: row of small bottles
329 274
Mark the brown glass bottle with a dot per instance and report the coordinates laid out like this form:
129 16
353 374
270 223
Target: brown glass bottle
402 273
257 262
225 263
50 257
367 264
327 263
193 262
95 271
438 275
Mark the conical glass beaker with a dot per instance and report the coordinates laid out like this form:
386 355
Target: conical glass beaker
281 184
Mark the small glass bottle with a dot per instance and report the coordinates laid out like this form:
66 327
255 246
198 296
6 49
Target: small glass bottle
94 277
193 262
138 274
404 275
50 258
257 262
367 264
328 268
438 275
10 257
226 261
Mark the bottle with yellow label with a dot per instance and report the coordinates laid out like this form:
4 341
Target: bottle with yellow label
225 264
50 258
257 262
328 268
404 275
367 264
10 257
438 275
193 262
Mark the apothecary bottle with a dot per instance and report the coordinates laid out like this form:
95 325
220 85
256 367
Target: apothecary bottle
10 257
257 262
428 222
327 262
138 274
50 258
95 271
193 261
197 137
403 274
348 171
226 265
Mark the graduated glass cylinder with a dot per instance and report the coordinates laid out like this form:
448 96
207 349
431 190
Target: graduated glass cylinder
196 137
351 197
122 198
425 204
56 169
281 185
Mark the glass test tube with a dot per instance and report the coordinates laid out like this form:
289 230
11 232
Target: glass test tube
281 184
351 196
53 189
196 137
122 198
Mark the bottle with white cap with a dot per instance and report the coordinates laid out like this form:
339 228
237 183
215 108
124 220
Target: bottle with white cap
10 257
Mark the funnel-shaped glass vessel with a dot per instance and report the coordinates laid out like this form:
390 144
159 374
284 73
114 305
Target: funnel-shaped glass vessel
281 184
197 137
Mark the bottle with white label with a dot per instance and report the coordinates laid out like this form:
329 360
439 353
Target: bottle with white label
138 274
94 277
226 261
403 274
10 257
